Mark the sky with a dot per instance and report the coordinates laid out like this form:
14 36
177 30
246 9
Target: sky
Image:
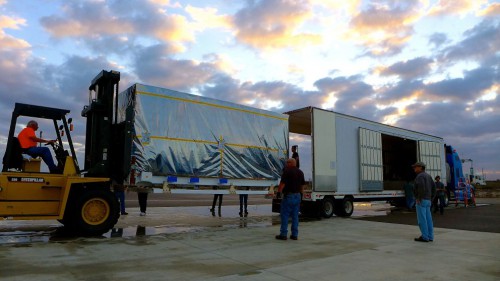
428 66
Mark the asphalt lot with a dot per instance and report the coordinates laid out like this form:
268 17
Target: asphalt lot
189 243
485 217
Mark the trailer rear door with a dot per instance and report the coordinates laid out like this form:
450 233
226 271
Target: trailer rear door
324 151
370 160
430 153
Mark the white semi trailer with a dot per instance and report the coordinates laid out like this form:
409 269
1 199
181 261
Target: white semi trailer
354 159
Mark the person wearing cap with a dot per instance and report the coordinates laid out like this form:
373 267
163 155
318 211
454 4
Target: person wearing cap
439 198
423 195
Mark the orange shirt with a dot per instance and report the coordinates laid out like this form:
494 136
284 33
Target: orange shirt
25 136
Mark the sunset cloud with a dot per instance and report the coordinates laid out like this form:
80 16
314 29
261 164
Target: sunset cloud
208 18
385 27
274 24
491 10
461 7
83 20
8 42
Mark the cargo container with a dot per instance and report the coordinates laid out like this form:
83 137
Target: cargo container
193 144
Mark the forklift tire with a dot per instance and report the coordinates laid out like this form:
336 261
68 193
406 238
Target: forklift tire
96 213
327 207
344 207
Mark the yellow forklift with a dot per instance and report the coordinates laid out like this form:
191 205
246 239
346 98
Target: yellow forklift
82 200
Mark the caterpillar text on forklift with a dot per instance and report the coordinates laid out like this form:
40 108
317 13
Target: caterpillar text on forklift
148 137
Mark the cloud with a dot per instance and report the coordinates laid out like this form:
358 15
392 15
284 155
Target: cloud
468 88
208 18
8 42
274 24
404 89
385 27
336 5
484 37
411 69
154 65
351 94
93 20
438 39
84 19
449 7
452 119
491 10
277 96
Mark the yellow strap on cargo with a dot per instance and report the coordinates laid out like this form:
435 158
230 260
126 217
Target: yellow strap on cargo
211 104
211 142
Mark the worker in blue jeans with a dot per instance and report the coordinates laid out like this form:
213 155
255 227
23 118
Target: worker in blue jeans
424 184
290 186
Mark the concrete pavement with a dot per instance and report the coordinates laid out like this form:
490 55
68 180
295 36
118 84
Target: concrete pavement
233 248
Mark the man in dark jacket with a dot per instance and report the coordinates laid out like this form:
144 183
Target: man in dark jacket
438 200
424 184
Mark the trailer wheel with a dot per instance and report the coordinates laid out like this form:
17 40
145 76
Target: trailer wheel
327 207
344 207
96 213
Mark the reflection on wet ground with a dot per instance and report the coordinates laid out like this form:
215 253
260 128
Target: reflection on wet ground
165 221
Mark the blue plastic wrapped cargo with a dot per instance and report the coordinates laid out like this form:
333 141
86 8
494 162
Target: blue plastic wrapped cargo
180 135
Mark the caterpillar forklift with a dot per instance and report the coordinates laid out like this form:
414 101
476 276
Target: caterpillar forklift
82 200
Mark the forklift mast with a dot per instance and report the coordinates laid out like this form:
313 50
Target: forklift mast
101 151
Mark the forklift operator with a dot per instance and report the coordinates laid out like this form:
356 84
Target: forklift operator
27 140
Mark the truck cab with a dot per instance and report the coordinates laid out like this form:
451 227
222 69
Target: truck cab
458 184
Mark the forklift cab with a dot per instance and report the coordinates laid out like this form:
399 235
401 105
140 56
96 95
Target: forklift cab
13 159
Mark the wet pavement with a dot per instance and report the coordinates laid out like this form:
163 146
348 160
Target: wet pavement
484 217
190 243
167 220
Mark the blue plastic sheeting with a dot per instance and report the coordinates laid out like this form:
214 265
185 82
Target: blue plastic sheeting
187 135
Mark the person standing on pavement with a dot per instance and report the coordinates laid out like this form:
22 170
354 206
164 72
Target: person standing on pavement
439 198
290 186
214 202
119 190
295 155
243 204
142 196
423 195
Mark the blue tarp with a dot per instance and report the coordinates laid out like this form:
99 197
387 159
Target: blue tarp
181 134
